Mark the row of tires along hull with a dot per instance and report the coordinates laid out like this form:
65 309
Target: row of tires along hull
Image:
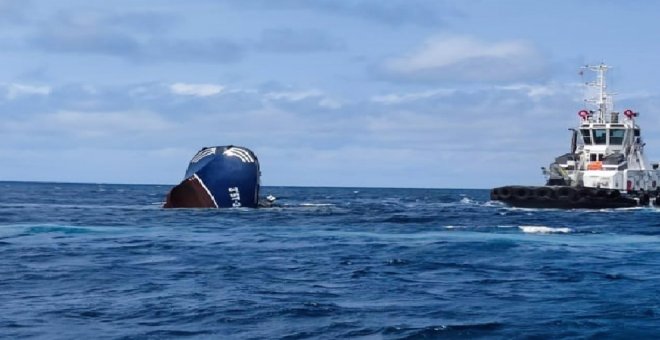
565 197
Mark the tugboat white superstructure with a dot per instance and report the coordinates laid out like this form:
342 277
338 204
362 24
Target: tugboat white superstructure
606 167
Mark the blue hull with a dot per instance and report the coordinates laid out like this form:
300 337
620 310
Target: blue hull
218 177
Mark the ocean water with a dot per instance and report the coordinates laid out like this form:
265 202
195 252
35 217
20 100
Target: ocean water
96 261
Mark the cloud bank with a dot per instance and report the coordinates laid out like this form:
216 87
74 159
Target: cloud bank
199 90
427 13
466 59
131 36
400 135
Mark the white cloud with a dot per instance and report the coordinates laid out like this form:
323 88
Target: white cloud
105 129
468 59
293 96
396 98
197 90
533 91
296 96
94 124
440 52
16 90
330 103
242 91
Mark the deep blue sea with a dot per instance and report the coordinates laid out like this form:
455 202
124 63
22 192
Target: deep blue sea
97 261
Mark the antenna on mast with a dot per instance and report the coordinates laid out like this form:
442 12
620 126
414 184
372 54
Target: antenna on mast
603 99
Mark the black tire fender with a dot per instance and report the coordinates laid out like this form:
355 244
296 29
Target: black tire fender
565 192
522 193
583 193
544 192
504 193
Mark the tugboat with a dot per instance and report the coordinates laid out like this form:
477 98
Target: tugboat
219 177
606 167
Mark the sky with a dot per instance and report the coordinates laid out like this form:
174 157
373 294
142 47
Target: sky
356 93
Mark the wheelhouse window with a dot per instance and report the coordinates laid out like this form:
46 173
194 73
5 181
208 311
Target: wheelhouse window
616 136
586 135
600 136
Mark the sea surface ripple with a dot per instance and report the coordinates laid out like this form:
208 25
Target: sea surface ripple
107 262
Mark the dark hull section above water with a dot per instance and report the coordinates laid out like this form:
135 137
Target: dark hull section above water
564 197
218 177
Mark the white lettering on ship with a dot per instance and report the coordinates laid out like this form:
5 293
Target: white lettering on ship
235 197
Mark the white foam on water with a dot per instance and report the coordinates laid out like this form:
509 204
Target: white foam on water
539 229
154 259
528 210
455 227
494 204
317 205
466 200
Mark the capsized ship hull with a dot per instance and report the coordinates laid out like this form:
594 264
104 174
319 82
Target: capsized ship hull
218 177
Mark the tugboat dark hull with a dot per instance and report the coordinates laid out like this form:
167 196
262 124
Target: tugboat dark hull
218 177
562 197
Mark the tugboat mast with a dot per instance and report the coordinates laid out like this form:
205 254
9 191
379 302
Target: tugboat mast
604 100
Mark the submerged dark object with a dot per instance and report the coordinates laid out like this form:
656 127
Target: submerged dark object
565 197
218 177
